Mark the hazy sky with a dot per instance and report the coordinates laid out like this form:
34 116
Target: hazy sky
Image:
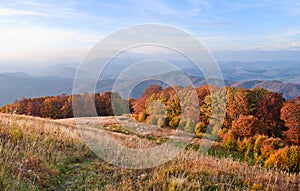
63 31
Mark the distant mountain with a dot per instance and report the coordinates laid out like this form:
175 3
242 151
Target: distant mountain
61 70
290 90
17 74
15 86
284 71
58 79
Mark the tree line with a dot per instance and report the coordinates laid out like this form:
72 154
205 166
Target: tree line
256 121
247 112
61 106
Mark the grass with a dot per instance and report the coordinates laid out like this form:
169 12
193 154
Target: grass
41 154
34 152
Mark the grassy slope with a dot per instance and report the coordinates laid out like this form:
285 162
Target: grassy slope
40 154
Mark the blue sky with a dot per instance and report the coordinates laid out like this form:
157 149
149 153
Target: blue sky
63 31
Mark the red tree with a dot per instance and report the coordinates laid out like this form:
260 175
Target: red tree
246 126
290 114
268 112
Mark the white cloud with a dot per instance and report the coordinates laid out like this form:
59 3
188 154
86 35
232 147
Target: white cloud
286 40
197 6
62 10
14 12
30 43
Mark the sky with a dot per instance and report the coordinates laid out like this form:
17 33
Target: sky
54 31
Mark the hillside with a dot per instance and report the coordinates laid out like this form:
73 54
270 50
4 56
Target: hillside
42 154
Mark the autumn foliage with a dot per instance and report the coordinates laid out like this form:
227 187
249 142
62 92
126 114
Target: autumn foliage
255 120
290 114
58 107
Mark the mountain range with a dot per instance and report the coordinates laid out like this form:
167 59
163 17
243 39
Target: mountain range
58 79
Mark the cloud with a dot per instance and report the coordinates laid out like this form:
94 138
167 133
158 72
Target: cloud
286 40
33 43
14 12
70 25
197 6
62 14
29 8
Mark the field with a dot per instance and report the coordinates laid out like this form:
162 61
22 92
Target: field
44 154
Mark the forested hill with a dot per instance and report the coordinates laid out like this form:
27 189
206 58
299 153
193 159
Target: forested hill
259 123
258 106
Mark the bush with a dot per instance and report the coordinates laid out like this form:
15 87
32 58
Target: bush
229 141
264 147
165 122
142 116
257 148
245 145
200 128
223 132
270 146
285 159
174 122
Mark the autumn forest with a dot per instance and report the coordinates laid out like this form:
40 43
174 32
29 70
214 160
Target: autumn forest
256 122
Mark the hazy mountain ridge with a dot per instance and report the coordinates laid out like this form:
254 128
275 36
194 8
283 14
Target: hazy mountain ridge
65 71
15 86
290 90
284 71
280 76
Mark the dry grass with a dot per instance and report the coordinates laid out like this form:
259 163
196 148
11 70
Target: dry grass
33 150
41 154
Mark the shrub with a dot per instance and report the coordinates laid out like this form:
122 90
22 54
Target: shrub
245 145
270 145
200 128
229 141
165 122
264 147
222 132
285 159
258 142
174 122
142 116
